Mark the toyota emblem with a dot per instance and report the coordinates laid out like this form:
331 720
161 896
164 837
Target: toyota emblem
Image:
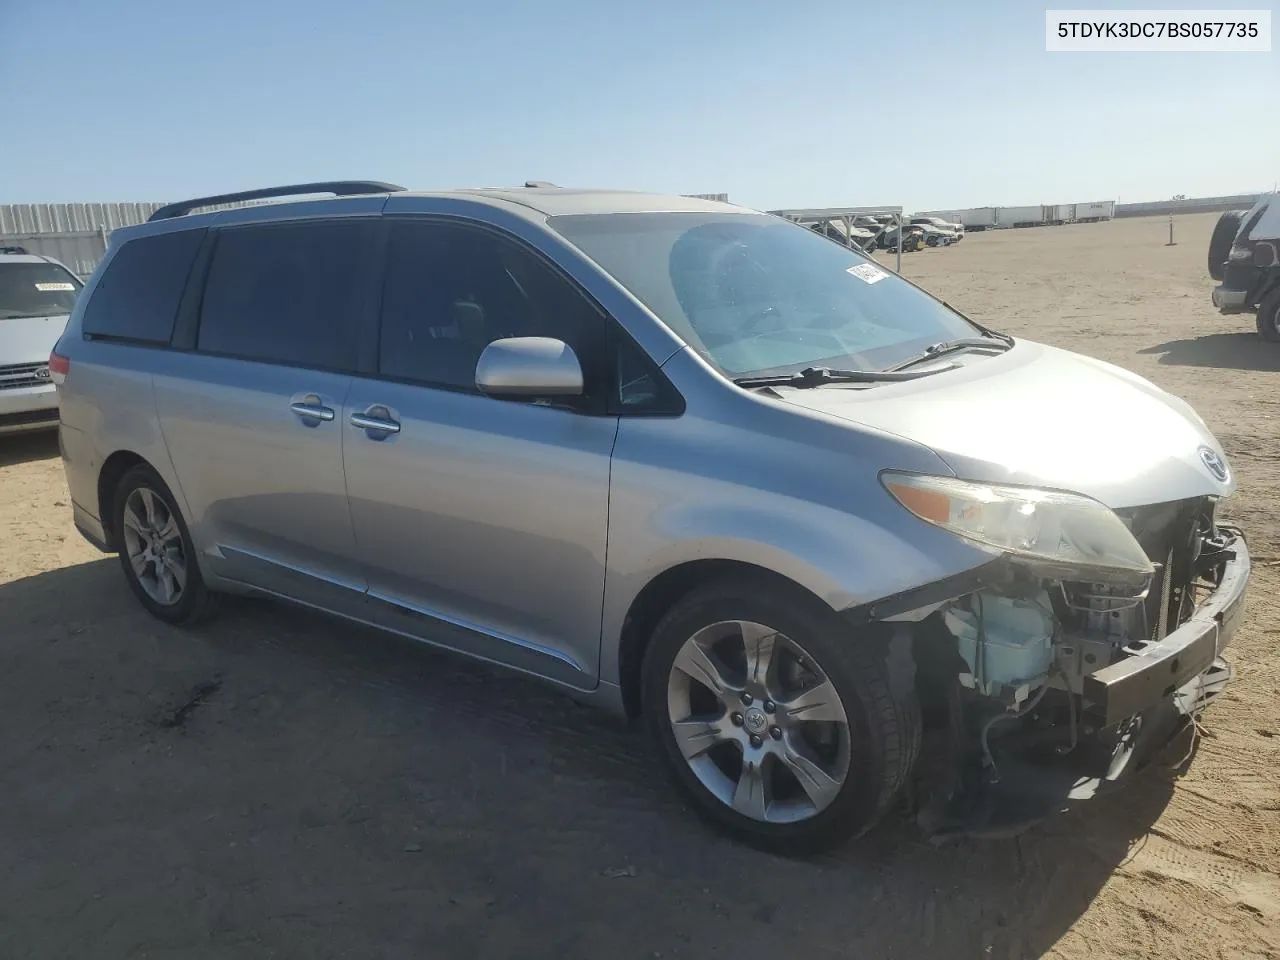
42 373
1214 464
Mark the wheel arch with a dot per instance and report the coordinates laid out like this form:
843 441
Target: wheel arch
666 589
1271 283
109 476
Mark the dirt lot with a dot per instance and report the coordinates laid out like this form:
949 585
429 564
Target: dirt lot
278 785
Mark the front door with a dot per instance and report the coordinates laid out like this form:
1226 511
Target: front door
482 523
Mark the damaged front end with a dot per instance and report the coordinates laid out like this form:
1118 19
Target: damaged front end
1047 676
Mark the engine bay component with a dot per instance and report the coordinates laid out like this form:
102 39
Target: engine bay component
1006 642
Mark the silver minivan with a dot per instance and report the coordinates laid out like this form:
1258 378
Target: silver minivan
835 542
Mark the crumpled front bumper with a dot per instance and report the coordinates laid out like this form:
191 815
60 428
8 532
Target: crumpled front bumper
1161 669
1137 708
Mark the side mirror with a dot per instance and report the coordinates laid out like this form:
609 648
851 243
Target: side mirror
529 367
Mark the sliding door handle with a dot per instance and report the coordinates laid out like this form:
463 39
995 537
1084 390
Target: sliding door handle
312 413
376 420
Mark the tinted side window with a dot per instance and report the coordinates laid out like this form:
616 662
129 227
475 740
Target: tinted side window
450 291
287 293
137 296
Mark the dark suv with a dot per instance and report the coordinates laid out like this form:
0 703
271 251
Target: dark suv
1244 255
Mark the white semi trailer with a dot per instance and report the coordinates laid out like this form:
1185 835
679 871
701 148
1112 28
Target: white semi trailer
1019 216
977 218
1098 210
987 218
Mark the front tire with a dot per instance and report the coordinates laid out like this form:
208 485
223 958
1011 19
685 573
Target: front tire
1269 317
156 552
779 722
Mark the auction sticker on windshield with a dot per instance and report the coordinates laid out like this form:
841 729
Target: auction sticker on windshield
867 272
51 287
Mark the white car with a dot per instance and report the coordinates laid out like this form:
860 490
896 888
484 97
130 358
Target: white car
36 297
956 230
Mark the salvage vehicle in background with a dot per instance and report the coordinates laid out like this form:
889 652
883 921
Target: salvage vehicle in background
684 460
1244 256
932 235
954 230
913 238
36 297
853 235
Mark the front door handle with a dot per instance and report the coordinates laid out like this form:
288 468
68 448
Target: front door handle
312 413
376 424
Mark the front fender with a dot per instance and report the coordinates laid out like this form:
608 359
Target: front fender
836 532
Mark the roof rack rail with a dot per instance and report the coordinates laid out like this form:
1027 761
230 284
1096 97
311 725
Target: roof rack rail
339 188
541 183
12 248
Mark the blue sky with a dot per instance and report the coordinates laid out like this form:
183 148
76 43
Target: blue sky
927 104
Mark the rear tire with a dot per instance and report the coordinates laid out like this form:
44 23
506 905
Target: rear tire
818 779
1224 234
155 550
1269 317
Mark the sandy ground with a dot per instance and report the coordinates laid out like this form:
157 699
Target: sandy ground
277 785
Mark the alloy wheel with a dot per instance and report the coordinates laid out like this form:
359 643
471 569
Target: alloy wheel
759 723
153 544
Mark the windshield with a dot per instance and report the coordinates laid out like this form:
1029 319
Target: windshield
36 290
755 295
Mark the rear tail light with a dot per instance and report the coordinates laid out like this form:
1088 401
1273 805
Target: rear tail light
59 367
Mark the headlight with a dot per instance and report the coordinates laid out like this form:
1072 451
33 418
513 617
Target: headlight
1062 529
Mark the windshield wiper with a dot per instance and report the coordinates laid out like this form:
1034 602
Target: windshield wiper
817 376
1000 343
985 331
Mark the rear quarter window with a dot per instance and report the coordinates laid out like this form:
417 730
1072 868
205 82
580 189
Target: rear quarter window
137 297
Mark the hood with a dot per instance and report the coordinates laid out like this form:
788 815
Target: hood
1043 417
29 339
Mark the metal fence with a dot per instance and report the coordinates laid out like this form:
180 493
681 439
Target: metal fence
1193 205
77 233
74 233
